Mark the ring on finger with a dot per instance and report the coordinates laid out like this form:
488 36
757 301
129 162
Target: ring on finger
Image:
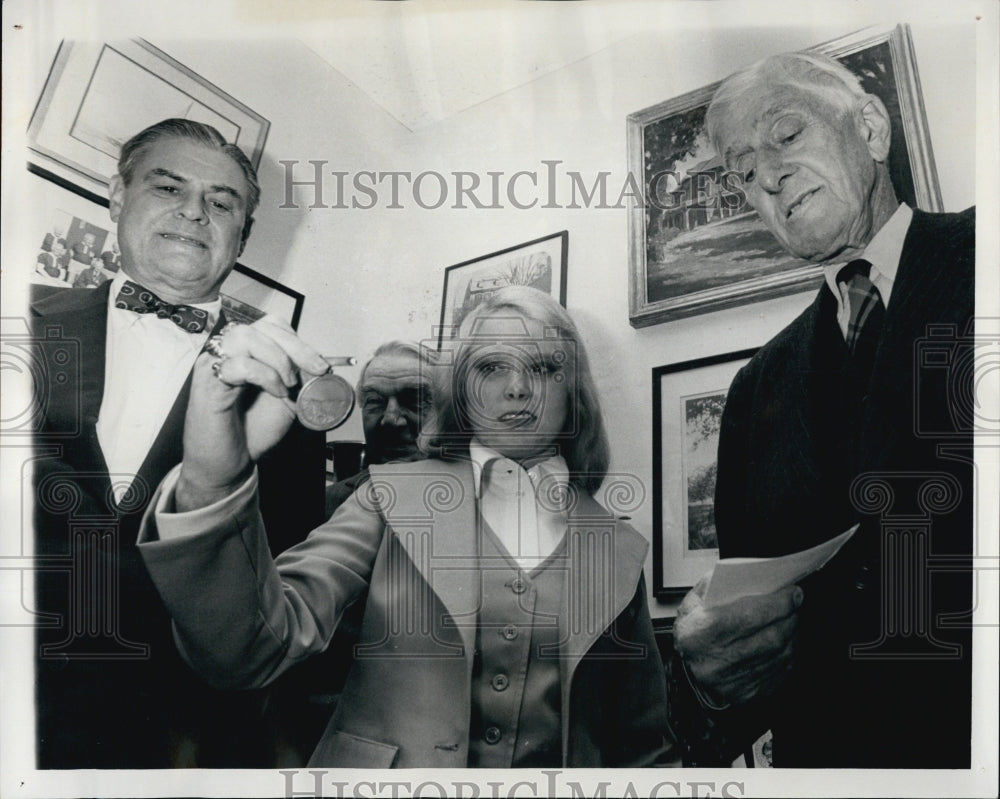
217 367
214 346
227 327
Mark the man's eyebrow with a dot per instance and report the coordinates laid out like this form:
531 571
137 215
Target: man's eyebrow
160 172
218 188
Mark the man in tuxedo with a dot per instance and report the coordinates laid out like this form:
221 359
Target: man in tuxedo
851 414
112 692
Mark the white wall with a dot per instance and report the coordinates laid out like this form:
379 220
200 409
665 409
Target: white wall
372 275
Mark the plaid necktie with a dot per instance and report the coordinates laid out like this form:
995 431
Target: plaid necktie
867 314
134 297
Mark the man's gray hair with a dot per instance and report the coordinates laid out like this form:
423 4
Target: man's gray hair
425 355
813 73
135 148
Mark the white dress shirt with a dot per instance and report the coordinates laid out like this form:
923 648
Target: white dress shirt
147 360
883 253
526 508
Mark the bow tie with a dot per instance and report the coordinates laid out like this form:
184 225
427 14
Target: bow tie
134 297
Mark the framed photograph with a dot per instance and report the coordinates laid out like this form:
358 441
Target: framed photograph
540 263
76 246
696 245
247 295
75 243
688 399
99 94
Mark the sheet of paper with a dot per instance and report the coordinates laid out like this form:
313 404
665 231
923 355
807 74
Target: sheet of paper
736 577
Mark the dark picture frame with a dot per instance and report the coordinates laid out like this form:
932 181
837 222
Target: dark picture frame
98 94
539 263
247 294
688 400
695 245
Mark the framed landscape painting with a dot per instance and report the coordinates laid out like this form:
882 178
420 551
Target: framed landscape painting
688 400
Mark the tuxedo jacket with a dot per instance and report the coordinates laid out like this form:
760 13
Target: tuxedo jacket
406 545
883 665
112 691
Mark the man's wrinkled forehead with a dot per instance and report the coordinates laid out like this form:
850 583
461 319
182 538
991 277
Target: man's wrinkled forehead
396 371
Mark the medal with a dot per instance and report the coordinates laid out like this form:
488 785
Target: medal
325 402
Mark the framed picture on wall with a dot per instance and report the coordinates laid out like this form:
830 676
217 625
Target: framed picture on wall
76 246
75 242
540 263
688 399
247 295
100 94
696 245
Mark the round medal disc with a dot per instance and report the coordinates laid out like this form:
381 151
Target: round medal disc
325 402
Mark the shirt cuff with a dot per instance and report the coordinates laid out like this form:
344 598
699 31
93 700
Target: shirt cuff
171 524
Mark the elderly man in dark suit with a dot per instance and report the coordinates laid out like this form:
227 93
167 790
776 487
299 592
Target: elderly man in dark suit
112 690
848 415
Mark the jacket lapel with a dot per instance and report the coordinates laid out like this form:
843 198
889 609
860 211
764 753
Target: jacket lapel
604 559
79 317
431 508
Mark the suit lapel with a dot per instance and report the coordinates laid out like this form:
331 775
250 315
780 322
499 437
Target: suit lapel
79 317
922 293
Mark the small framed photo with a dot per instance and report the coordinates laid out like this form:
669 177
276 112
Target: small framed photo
688 400
540 263
75 243
696 245
100 94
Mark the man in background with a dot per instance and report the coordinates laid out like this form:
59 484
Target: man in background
112 691
842 419
394 393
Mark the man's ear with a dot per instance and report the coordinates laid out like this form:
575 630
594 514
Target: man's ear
116 196
247 227
875 127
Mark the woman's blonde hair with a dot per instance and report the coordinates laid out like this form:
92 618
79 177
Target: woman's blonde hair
583 442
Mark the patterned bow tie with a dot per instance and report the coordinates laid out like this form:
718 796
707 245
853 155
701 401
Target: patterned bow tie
134 297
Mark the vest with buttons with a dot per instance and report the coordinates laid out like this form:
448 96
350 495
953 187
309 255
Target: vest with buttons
515 679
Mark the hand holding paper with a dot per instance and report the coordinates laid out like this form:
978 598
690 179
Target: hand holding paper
733 578
736 629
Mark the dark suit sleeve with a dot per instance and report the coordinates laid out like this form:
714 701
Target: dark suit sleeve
292 487
734 461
